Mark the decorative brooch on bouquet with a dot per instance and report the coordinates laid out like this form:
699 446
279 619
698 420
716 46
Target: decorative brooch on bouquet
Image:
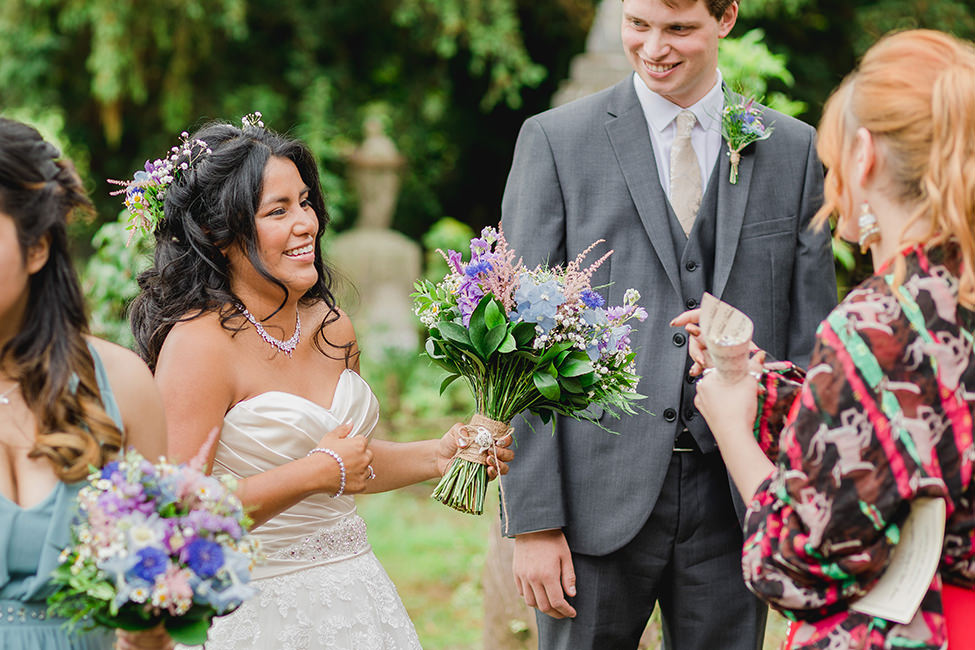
537 339
741 125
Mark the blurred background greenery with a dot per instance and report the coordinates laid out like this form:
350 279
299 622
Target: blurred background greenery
115 81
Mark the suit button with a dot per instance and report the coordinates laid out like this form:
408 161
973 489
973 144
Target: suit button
670 415
691 266
691 303
679 339
689 414
689 379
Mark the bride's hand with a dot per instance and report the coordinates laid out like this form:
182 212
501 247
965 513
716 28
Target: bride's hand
356 456
454 440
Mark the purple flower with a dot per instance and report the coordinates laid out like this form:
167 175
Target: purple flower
591 299
456 261
479 246
203 556
151 563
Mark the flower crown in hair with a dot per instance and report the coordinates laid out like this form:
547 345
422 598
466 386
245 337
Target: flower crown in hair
145 194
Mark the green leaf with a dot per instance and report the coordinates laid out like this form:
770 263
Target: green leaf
193 632
575 367
570 385
524 333
547 385
555 351
455 333
447 382
508 344
494 315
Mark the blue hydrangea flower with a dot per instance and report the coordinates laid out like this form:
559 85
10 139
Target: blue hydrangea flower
203 556
538 303
150 562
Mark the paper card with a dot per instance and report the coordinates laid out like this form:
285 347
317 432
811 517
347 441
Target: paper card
727 333
898 594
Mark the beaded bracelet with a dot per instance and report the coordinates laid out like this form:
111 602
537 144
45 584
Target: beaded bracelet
338 459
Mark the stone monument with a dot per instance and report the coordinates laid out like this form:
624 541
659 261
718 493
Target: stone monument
380 263
603 63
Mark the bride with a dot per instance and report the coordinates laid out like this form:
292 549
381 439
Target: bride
237 321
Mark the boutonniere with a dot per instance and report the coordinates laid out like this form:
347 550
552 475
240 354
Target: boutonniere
741 125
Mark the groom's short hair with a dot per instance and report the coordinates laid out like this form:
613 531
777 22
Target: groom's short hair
715 7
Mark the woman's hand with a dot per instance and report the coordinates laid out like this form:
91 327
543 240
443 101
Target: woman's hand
456 439
155 638
356 456
730 408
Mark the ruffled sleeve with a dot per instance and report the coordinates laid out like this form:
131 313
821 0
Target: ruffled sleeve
855 452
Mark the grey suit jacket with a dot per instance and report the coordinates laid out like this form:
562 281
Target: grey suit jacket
585 171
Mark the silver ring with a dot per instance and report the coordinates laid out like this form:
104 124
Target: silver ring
707 371
372 473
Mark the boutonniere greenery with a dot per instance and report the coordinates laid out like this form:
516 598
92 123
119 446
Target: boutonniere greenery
741 125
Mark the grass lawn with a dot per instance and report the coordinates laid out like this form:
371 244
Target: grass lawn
435 556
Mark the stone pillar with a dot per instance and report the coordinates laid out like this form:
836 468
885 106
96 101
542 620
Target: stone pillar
603 63
380 263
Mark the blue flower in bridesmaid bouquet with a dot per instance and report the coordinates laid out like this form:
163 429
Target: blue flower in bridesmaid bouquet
204 557
150 562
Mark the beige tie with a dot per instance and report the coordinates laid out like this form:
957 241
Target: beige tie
685 173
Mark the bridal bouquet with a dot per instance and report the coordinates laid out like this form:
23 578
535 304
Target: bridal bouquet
523 339
155 543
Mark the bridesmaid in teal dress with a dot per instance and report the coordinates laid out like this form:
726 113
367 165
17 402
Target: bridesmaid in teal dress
67 400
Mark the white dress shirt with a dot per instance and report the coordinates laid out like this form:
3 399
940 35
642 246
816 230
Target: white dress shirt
661 117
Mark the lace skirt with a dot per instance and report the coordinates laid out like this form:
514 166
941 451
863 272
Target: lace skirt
349 605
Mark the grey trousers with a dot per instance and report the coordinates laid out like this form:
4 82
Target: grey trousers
687 557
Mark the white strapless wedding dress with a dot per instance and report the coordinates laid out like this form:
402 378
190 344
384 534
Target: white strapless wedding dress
321 586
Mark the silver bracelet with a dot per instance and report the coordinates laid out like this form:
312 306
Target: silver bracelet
338 459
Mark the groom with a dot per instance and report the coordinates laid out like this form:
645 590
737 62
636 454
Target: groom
606 526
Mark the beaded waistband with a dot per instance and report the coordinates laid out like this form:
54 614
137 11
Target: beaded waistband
344 539
14 612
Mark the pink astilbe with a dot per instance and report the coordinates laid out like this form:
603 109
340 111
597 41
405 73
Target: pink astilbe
501 281
576 279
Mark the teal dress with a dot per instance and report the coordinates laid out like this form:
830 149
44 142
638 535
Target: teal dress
31 539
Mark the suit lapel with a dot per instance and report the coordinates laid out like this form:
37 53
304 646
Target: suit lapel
635 156
732 200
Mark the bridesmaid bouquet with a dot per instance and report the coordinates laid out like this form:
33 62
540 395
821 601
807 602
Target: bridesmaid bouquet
155 543
523 339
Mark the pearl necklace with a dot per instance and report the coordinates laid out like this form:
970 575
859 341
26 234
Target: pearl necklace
288 347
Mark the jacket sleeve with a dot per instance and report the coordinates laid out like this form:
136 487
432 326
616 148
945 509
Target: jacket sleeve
813 274
533 219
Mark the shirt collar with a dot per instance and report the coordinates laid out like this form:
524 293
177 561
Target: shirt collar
661 112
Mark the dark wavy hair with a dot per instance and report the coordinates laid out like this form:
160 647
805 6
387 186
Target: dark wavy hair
209 208
48 356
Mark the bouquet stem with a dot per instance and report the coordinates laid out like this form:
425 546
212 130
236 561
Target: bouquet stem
464 484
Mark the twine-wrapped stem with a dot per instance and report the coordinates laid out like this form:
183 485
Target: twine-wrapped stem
465 482
735 156
482 432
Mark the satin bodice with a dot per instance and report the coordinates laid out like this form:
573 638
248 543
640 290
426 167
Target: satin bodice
273 428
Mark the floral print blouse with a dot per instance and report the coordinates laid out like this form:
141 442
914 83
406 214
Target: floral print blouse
884 416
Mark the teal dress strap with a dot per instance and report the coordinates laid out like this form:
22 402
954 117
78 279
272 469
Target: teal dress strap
105 388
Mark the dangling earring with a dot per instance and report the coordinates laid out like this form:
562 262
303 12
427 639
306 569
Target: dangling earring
869 231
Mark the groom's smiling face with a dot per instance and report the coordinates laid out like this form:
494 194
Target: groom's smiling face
673 46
